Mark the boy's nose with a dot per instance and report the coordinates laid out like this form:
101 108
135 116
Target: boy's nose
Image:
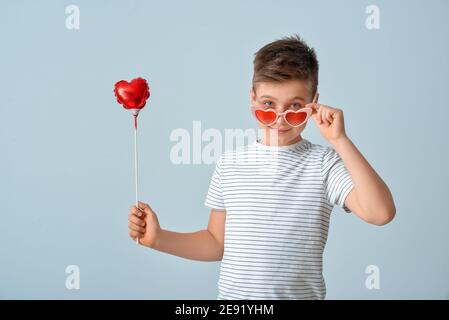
281 121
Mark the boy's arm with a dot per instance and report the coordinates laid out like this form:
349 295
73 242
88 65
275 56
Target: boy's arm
370 199
203 245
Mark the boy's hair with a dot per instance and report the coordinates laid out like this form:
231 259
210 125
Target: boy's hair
289 58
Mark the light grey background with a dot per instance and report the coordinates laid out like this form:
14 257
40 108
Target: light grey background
66 164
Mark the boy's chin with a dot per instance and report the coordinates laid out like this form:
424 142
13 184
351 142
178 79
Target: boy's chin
283 141
272 137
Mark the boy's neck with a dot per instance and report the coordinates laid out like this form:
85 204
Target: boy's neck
274 142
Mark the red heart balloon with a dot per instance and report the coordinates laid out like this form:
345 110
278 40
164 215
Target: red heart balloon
132 95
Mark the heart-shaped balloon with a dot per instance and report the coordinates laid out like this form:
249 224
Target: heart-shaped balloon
132 95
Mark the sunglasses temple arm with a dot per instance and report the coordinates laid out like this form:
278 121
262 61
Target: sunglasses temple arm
315 98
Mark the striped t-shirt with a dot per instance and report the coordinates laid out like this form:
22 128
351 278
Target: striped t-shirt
278 202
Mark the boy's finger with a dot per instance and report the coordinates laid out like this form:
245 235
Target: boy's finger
134 234
133 209
313 106
134 219
329 116
136 211
324 117
135 227
324 121
145 207
319 115
314 103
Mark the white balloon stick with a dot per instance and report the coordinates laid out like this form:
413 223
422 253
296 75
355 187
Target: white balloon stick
136 167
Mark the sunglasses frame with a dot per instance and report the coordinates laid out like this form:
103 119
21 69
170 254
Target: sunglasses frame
284 114
309 112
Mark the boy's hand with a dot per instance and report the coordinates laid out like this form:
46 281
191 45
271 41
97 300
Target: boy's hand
329 120
143 224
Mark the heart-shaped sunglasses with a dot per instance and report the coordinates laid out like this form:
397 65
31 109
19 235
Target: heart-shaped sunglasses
294 118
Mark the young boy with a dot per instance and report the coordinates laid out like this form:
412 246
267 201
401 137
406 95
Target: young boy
271 201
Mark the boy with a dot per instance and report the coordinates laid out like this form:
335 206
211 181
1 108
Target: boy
271 201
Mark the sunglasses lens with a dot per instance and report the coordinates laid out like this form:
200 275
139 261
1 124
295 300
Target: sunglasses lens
295 119
266 116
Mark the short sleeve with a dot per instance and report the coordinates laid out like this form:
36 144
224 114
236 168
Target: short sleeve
336 178
214 198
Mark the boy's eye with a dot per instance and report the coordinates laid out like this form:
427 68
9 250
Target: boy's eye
296 106
268 103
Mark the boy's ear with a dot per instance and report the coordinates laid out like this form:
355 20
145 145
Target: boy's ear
252 95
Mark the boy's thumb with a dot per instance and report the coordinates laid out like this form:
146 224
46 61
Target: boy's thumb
144 207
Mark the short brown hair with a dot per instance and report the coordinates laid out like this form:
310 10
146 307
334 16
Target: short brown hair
289 58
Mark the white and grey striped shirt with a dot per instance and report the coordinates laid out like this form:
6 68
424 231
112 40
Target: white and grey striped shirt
278 202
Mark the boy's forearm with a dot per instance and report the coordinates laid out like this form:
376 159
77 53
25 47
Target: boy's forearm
200 245
372 193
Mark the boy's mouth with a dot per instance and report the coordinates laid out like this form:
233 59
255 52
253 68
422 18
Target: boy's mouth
282 131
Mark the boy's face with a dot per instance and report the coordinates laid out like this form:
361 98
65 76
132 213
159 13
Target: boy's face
281 96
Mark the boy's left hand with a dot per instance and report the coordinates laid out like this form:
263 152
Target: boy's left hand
329 120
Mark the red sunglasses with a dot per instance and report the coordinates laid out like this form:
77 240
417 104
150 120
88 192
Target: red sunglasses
293 118
269 117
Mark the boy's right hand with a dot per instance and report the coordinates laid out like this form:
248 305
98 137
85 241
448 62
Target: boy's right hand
143 224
